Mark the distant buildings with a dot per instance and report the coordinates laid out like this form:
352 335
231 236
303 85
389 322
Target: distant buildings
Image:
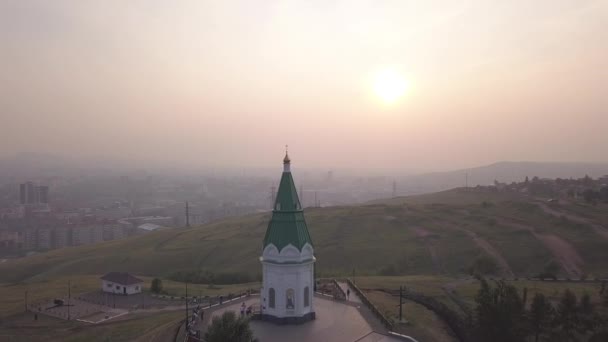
31 194
44 234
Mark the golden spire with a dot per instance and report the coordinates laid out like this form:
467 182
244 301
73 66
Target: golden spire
286 160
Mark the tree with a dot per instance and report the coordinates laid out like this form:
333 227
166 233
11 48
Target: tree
484 265
566 317
540 315
156 286
570 193
499 313
604 193
588 318
587 180
590 195
550 271
229 328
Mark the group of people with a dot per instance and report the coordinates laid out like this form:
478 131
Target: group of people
192 322
245 310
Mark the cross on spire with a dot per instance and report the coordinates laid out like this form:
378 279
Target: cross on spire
286 160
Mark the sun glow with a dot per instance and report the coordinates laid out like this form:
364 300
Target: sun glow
389 85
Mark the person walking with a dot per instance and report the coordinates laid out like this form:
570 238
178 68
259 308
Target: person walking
243 309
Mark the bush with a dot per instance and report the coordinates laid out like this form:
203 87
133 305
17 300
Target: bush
228 328
483 265
550 271
156 286
388 270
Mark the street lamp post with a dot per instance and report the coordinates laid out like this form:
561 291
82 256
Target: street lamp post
400 303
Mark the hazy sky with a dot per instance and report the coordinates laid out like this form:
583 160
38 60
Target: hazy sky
231 82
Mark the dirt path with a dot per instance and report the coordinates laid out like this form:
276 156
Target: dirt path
566 255
450 290
600 230
493 252
427 237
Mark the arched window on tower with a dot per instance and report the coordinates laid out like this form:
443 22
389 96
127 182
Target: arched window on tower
306 296
271 298
290 302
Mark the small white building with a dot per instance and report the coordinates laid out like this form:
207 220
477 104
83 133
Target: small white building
148 227
121 283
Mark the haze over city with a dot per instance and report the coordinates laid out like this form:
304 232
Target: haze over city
429 86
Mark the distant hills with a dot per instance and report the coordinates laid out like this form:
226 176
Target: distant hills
505 172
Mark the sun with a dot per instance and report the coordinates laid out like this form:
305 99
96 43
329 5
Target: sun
389 85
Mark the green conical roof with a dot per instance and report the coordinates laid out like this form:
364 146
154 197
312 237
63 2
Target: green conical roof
287 225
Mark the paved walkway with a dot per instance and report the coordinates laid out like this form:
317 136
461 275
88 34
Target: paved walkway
353 295
375 337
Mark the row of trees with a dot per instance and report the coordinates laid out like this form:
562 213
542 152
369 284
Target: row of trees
593 196
502 315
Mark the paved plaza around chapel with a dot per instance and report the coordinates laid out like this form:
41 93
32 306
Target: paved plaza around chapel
336 321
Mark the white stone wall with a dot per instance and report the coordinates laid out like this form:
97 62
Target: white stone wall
286 270
110 287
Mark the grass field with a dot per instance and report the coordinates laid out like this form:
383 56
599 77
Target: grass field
422 323
139 327
434 234
12 296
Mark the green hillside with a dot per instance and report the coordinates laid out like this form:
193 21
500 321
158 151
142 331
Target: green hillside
442 233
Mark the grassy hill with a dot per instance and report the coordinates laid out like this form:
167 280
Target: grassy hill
443 233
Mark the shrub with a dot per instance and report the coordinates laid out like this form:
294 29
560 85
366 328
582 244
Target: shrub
483 265
156 286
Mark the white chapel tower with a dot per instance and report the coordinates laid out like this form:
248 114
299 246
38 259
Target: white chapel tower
287 259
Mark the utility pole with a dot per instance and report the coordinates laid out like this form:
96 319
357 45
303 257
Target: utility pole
186 305
187 215
400 303
69 296
394 188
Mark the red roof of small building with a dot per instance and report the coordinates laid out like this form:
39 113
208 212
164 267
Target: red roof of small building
122 278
